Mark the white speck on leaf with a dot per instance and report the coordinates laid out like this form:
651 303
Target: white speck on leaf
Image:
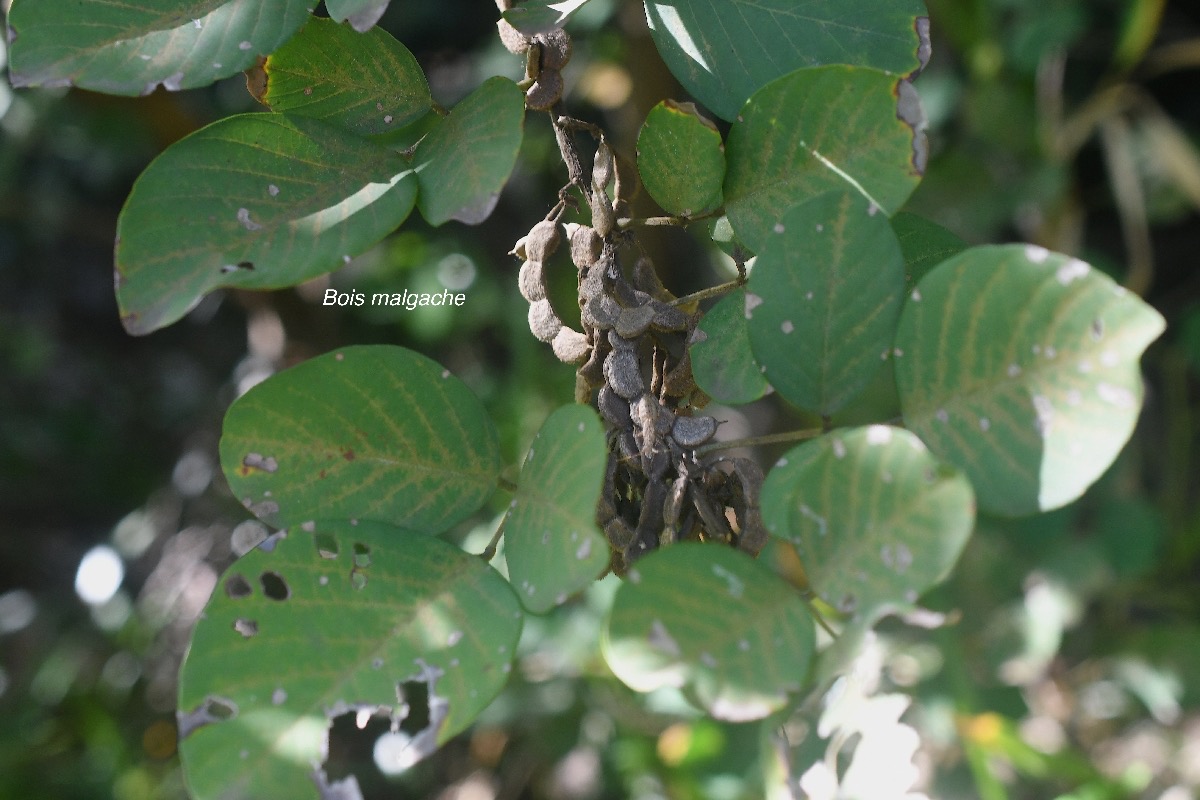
1073 270
323 580
783 462
387 119
279 696
1035 253
879 434
660 639
1050 352
272 189
581 427
985 424
787 326
243 216
707 660
584 550
916 295
1014 369
144 56
1109 358
942 415
1118 396
197 24
839 448
733 583
820 228
753 301
808 296
743 645
454 638
822 523
244 45
1085 367
872 209
897 352
779 227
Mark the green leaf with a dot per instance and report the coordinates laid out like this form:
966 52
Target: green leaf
465 161
722 51
364 433
541 16
366 82
1020 366
876 519
823 300
711 619
131 47
362 14
925 244
820 129
297 633
551 542
674 134
722 362
256 201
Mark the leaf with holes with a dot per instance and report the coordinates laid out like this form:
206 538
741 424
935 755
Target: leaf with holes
739 657
823 300
551 542
368 82
817 130
365 433
255 201
722 362
133 46
673 134
1021 367
465 161
299 632
362 14
722 51
875 517
925 244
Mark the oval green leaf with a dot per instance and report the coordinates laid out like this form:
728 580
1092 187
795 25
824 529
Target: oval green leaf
368 82
465 161
1021 367
541 16
722 51
713 620
823 300
722 362
132 47
256 201
551 542
925 244
672 135
817 130
299 632
875 517
361 14
372 432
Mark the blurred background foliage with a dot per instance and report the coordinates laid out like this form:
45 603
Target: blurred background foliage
1071 667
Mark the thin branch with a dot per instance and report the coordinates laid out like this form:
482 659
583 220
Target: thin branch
489 552
712 291
755 441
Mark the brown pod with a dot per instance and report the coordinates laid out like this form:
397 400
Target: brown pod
592 370
543 322
545 91
570 346
633 322
668 317
542 240
513 40
586 245
531 281
556 48
622 373
602 167
601 312
693 431
613 407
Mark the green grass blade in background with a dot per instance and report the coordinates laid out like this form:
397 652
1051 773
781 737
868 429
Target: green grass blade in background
551 542
254 201
306 630
1021 367
367 82
133 46
372 432
874 516
465 161
815 130
712 620
823 300
722 51
675 134
722 361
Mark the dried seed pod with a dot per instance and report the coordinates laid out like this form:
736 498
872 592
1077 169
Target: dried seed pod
592 285
618 343
570 346
513 40
556 48
545 91
602 167
586 246
618 533
646 278
592 370
604 218
627 446
613 408
693 431
644 412
601 312
633 322
622 373
668 317
673 506
542 240
543 322
532 282
666 421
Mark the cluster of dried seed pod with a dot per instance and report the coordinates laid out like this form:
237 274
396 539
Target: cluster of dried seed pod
534 248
